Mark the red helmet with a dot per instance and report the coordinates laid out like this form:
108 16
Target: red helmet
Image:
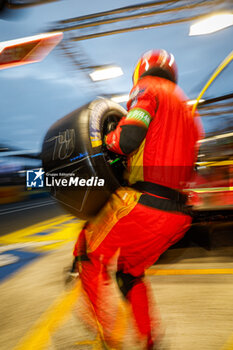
158 63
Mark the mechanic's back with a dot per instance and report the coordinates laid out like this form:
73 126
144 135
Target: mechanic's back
159 132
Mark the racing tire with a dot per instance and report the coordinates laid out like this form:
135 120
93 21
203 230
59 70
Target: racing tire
73 148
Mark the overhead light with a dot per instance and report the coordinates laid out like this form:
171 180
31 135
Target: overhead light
212 24
120 98
27 50
106 73
192 102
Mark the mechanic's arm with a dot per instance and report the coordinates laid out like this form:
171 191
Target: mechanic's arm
130 132
132 129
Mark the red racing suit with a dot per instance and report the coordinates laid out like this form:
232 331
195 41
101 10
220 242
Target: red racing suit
159 134
167 154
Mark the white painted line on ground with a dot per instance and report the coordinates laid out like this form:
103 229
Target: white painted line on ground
27 245
26 204
8 259
26 208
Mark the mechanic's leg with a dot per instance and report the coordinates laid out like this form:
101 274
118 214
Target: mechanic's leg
108 309
101 299
137 293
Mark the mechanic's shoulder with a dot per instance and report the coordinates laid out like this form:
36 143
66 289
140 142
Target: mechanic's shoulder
143 87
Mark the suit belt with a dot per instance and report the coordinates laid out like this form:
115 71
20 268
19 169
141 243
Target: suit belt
173 201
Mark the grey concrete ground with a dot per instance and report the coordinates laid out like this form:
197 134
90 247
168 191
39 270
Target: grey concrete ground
196 309
22 214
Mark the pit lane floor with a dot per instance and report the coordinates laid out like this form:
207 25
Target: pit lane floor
193 288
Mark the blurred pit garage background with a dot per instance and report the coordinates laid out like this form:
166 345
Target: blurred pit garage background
36 234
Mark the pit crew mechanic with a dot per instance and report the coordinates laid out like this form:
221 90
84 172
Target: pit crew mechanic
140 222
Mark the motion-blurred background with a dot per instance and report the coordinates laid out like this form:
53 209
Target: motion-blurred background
192 281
